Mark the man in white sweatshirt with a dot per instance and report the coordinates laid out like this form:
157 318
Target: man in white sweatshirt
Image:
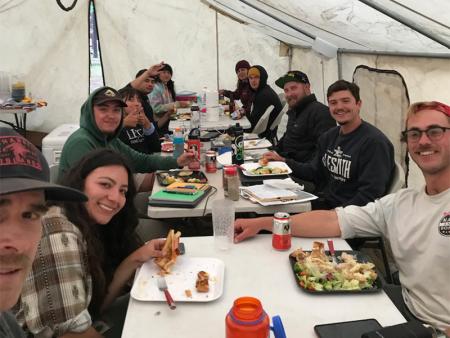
415 222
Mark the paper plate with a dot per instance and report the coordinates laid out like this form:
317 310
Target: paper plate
182 278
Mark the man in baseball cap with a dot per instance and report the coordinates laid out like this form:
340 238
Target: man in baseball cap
24 189
307 120
101 121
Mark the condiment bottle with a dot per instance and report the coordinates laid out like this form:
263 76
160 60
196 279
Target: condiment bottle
225 173
247 319
233 183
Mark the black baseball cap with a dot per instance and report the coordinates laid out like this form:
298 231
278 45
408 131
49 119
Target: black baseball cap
293 75
24 168
108 94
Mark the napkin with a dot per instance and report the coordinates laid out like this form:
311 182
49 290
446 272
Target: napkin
286 183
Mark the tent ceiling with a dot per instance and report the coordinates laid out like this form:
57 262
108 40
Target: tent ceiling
348 24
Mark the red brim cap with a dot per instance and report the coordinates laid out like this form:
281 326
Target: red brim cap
53 192
444 108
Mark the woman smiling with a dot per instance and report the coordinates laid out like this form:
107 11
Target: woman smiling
87 254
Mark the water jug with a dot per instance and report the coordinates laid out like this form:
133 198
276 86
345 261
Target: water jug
247 319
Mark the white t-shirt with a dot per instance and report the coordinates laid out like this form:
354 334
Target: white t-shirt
417 227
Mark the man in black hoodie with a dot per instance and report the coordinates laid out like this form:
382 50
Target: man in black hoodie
354 162
264 97
307 120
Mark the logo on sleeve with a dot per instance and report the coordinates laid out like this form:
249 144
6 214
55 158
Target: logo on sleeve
444 225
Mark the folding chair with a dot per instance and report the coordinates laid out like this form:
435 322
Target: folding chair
276 123
261 126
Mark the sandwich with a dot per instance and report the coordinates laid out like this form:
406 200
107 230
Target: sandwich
202 282
170 252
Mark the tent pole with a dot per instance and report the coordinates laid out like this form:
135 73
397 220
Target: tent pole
339 63
279 20
407 22
217 52
400 54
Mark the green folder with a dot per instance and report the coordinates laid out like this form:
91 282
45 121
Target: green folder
168 199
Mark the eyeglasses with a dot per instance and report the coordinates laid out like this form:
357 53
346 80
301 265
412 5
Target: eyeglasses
434 133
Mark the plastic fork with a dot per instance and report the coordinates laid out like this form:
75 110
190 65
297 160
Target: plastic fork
162 285
331 250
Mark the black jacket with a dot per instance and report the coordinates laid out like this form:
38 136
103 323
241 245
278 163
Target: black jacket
306 122
264 97
353 169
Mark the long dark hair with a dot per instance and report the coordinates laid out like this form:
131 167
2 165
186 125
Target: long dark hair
170 84
109 244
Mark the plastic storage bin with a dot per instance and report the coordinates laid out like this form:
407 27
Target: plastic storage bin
53 143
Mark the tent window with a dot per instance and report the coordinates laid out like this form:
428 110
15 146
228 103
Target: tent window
96 78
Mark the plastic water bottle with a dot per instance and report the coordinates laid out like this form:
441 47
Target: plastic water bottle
195 117
247 319
204 91
178 143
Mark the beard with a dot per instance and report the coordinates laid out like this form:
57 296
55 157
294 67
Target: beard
292 102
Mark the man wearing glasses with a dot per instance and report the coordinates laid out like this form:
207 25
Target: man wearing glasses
416 222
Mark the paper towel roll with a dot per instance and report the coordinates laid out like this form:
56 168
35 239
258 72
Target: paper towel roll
212 98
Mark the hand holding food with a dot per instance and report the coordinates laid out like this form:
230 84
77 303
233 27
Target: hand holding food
186 158
169 252
149 250
273 156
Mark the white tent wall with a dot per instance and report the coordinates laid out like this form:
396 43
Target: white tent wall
427 79
49 48
237 42
182 34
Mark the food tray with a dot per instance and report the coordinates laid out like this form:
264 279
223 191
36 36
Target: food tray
360 257
182 277
178 174
247 167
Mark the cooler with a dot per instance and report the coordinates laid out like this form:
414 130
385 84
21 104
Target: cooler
53 143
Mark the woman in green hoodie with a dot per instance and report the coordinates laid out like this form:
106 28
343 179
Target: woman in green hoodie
100 125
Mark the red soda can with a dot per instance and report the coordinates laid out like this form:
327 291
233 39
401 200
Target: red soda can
281 238
210 162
